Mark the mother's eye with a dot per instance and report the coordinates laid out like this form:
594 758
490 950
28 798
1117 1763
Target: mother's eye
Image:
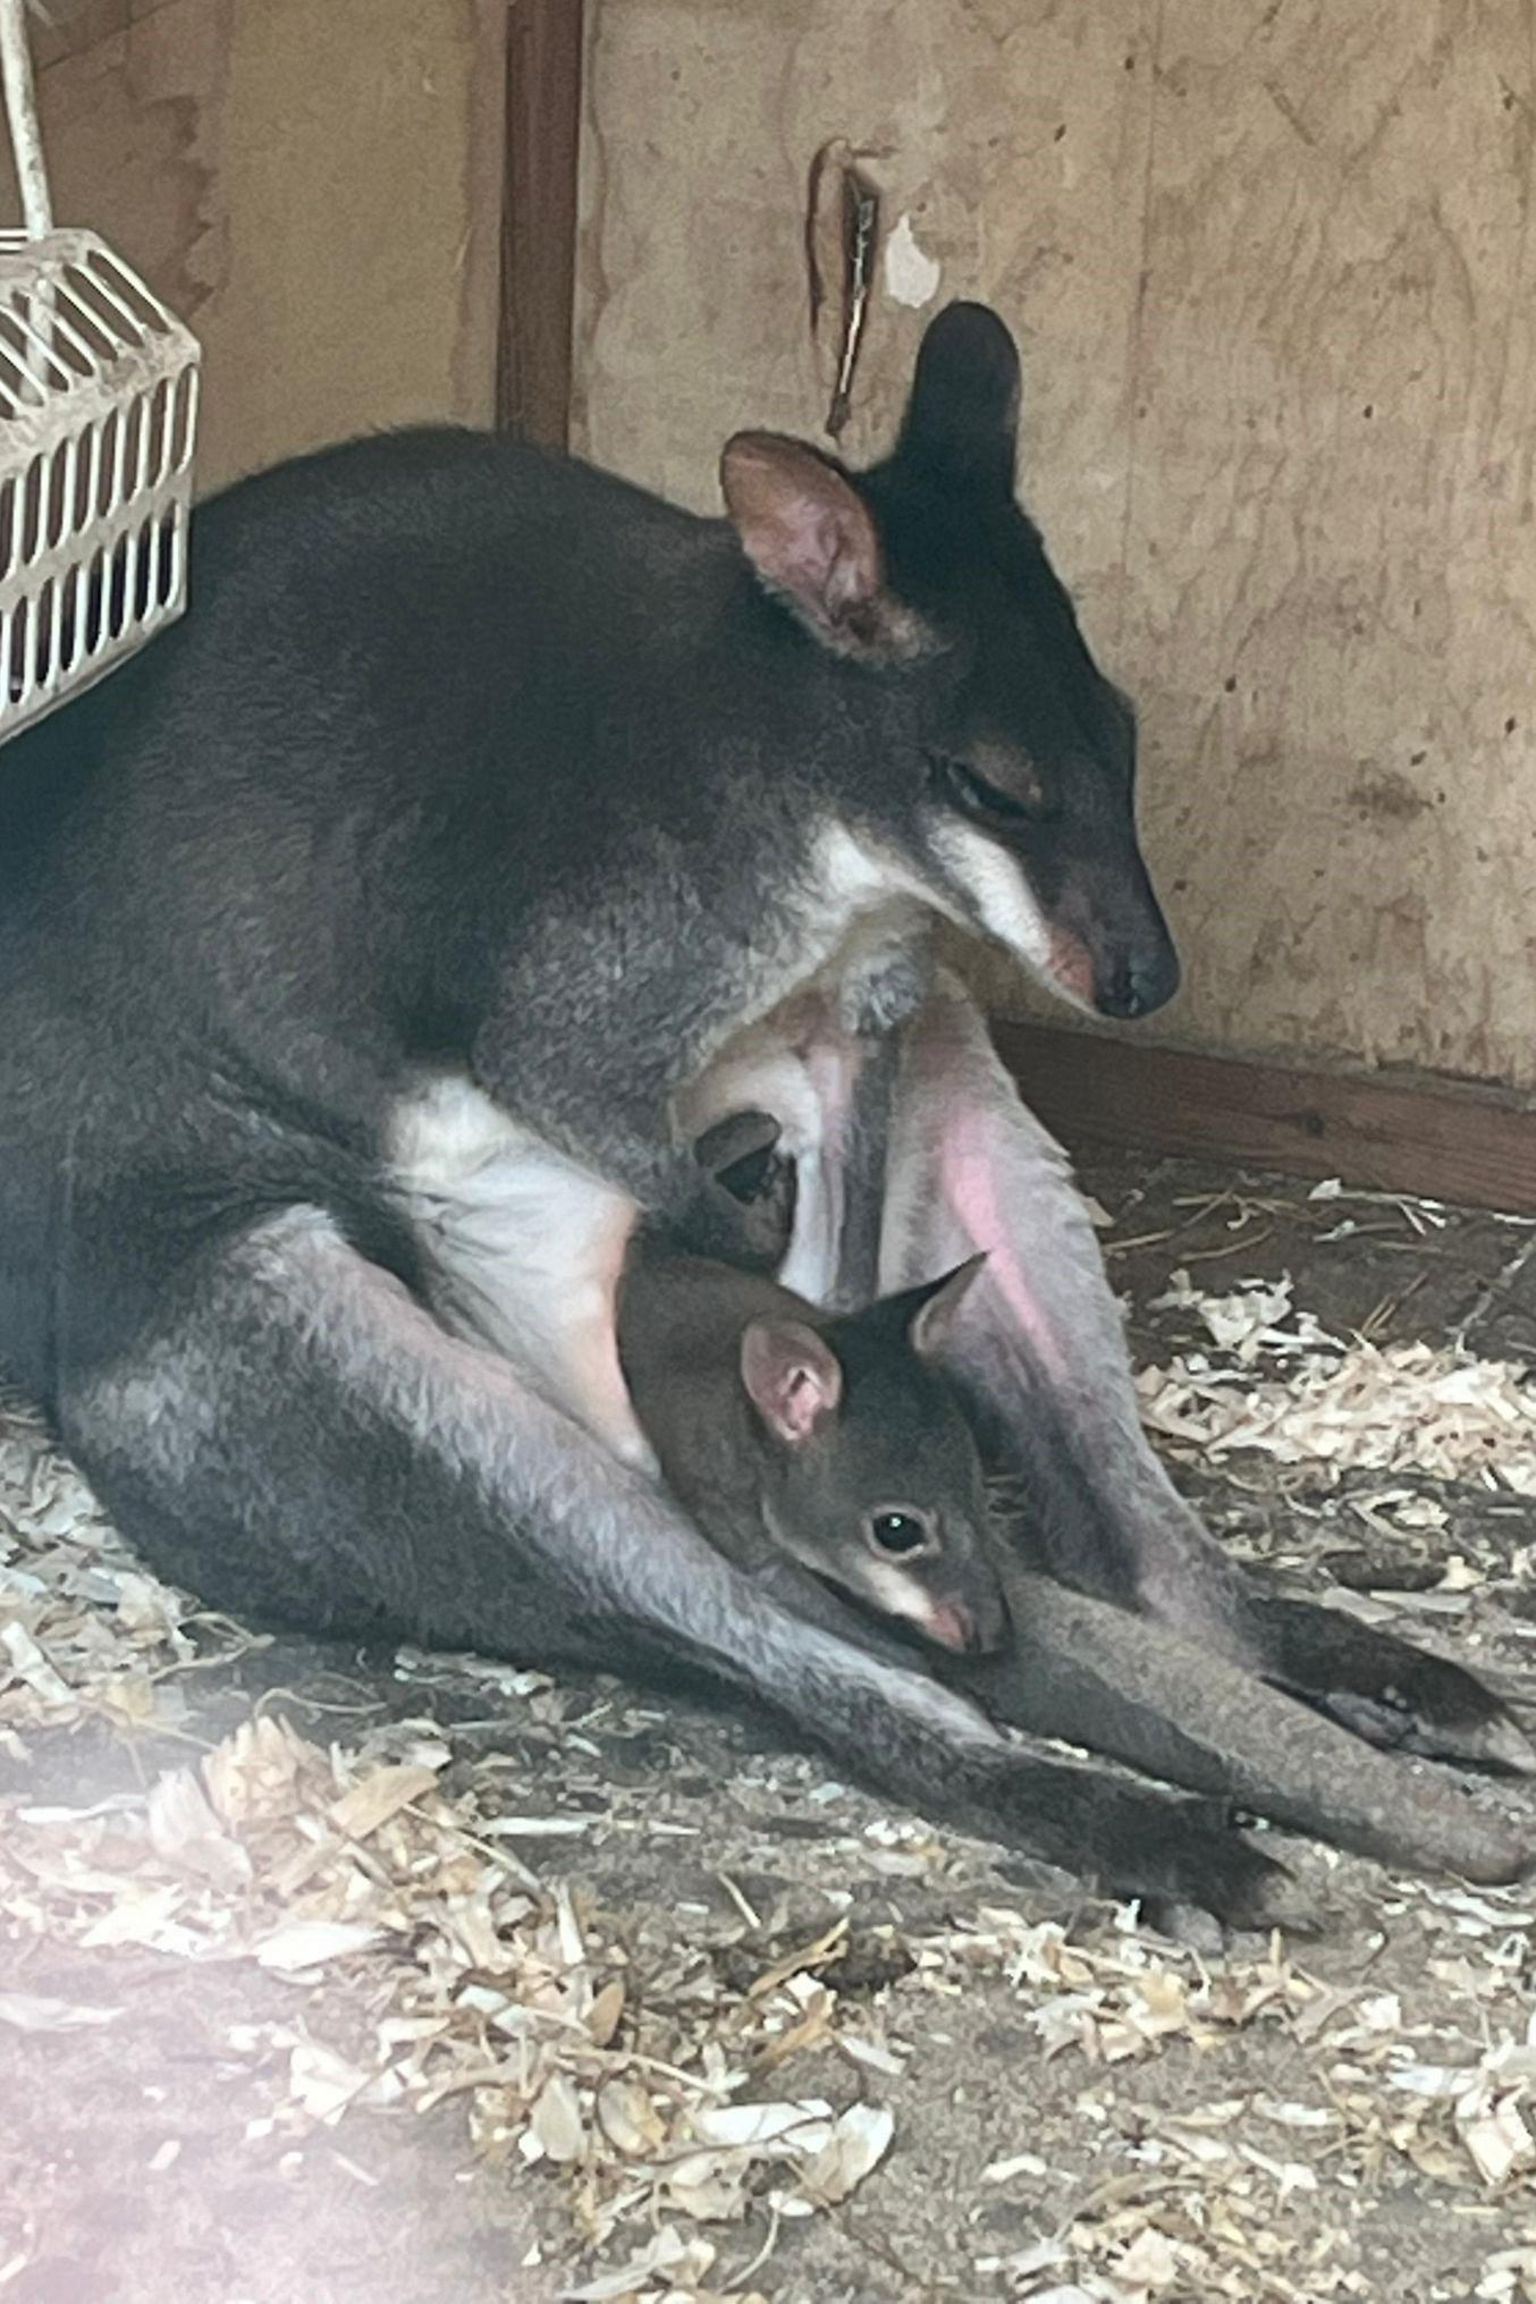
975 795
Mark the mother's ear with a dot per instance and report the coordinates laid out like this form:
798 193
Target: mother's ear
929 1311
962 419
814 543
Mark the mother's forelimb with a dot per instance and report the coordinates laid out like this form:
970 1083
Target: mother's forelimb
1041 1352
295 1434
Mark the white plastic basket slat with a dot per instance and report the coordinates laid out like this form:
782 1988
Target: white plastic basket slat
98 421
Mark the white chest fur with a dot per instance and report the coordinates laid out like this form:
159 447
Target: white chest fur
523 1248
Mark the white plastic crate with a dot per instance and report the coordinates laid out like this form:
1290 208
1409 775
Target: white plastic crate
98 413
98 410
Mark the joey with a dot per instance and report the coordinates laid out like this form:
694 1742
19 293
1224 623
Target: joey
834 1442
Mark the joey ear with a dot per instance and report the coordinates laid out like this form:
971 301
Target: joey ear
962 418
813 541
930 1310
792 1375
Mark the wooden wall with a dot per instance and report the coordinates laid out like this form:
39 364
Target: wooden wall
1274 272
313 185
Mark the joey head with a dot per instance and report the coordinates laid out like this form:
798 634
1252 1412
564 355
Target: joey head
835 1442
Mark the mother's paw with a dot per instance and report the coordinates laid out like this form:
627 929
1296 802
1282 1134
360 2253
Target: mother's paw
1207 1863
1384 1690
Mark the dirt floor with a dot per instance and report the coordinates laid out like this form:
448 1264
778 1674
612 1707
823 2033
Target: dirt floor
986 2084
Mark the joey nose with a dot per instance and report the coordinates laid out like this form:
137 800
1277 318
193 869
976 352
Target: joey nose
968 1630
1137 983
952 1625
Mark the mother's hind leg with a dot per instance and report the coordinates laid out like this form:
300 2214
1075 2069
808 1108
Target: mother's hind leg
291 1432
1039 1345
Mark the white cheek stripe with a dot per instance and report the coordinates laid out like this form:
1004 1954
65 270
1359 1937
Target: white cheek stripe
897 1593
996 886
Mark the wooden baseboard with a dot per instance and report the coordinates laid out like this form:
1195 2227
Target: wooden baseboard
1435 1139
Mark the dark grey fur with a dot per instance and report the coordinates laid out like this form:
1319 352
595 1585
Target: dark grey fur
475 765
1090 1673
896 1441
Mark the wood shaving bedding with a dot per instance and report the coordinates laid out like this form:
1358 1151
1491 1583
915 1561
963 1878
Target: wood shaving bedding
373 1879
1339 1405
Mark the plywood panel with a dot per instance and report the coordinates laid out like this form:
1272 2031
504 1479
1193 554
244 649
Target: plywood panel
1013 138
313 184
1275 278
1331 543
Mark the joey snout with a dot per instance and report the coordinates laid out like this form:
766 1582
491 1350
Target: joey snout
967 1625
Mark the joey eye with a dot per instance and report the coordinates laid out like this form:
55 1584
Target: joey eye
975 795
899 1534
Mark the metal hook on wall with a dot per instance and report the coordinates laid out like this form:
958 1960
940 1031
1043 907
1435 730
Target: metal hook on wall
837 183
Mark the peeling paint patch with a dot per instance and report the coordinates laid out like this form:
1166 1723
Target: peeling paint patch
911 274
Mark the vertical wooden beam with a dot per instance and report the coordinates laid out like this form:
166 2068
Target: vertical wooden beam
538 230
